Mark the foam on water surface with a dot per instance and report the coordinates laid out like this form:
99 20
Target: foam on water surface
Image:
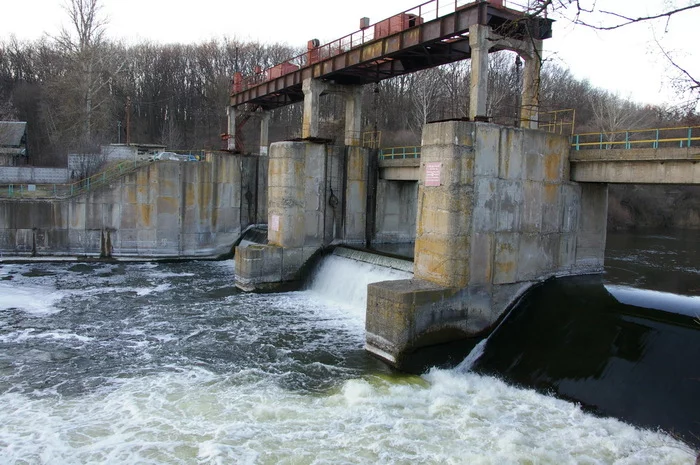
192 415
189 374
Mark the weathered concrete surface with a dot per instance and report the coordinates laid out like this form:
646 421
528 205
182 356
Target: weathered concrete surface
396 211
637 166
316 195
165 209
399 169
497 214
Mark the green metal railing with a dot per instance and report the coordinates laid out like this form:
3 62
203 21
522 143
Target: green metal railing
391 153
654 138
42 191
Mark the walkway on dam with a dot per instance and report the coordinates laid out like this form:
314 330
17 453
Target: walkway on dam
429 35
636 156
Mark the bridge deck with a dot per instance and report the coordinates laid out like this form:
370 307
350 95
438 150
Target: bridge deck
379 53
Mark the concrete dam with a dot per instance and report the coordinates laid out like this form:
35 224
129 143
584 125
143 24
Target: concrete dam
165 209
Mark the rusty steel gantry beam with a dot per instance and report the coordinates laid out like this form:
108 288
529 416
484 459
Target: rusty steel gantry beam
421 46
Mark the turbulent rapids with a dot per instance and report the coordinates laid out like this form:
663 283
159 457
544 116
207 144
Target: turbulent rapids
166 363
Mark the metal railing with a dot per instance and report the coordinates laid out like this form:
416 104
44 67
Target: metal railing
392 153
58 191
560 122
420 14
654 138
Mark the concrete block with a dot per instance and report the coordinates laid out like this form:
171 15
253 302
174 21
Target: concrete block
111 215
76 213
258 266
507 252
530 257
551 208
84 242
147 241
511 154
567 252
532 206
168 222
510 206
534 148
485 204
571 207
93 216
8 238
482 258
448 133
292 260
56 240
557 158
487 146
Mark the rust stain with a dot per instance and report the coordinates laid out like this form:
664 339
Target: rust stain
551 192
145 215
551 167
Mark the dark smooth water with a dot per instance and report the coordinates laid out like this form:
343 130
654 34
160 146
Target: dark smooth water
619 351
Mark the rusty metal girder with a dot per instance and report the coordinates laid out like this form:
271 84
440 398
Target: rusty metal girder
437 42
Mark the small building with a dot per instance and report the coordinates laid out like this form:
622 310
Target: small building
13 142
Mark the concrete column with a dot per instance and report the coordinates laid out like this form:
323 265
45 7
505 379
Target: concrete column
445 193
301 216
496 214
353 115
478 41
313 88
231 115
356 173
264 133
529 111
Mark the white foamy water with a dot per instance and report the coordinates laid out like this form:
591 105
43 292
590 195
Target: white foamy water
194 416
343 280
197 375
37 300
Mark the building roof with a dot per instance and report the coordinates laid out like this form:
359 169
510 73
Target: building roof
12 133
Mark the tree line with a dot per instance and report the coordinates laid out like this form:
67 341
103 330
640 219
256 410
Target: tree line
79 90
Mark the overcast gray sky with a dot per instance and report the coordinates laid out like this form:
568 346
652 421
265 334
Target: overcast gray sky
625 61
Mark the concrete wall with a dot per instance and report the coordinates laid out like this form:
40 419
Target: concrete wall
165 209
317 194
397 203
33 175
496 213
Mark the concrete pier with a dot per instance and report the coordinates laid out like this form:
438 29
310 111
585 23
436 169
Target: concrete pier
496 214
316 195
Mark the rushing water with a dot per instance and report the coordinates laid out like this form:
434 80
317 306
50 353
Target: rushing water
166 363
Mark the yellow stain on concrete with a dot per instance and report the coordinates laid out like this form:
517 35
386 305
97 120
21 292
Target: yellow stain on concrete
552 165
145 211
551 193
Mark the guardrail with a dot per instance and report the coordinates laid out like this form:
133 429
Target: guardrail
638 138
59 191
391 153
424 12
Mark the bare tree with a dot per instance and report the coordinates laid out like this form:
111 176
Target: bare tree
92 63
590 14
425 96
611 114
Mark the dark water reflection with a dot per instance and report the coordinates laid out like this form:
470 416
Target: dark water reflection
619 351
666 261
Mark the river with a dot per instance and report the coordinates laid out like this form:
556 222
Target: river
165 363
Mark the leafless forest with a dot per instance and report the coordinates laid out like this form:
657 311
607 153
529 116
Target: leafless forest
78 90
